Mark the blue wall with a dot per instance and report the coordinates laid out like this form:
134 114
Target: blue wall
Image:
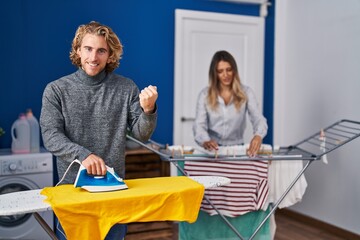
36 36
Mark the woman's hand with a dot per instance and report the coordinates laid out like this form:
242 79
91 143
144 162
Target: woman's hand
254 147
211 145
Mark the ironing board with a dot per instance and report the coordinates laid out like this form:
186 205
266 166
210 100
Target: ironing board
32 201
310 149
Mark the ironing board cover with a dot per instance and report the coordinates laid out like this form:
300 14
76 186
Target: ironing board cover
85 215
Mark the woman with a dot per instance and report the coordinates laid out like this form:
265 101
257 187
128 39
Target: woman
221 121
222 107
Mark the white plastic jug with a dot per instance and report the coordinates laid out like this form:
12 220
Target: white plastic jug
20 133
34 131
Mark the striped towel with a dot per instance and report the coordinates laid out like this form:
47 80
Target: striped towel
247 191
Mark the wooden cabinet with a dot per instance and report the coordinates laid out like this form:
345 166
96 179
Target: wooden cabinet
142 163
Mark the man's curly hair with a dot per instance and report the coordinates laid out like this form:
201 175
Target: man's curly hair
115 46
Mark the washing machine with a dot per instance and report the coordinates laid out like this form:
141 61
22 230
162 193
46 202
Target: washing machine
20 172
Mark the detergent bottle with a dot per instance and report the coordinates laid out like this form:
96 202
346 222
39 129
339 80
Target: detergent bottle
34 131
20 133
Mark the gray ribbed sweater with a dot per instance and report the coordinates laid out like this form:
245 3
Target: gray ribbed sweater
82 115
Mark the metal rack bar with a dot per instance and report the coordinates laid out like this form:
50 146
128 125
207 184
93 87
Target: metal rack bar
212 205
45 226
310 149
224 219
275 206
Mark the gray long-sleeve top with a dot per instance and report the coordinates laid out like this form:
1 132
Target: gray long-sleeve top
226 125
81 115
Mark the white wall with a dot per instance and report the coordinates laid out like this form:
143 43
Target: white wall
317 82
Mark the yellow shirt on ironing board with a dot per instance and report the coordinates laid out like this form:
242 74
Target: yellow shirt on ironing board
85 215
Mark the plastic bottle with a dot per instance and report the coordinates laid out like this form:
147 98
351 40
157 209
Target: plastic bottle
34 131
20 133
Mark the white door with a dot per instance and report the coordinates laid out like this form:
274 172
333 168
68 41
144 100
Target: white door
198 35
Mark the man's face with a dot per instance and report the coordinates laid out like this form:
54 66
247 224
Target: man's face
94 54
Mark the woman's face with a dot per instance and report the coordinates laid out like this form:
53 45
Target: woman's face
225 73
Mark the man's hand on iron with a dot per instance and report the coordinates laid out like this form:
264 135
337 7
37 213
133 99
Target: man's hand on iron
94 165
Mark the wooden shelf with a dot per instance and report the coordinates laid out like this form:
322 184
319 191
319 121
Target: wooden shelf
151 231
142 163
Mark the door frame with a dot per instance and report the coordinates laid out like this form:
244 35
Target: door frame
183 15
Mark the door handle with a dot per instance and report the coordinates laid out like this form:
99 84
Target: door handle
185 119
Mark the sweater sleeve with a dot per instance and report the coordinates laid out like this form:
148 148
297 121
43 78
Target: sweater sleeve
53 129
141 125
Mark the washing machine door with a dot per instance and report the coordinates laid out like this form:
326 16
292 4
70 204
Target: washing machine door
15 184
13 220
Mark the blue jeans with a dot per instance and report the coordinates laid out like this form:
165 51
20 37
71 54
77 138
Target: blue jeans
117 232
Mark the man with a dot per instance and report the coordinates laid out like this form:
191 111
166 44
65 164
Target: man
85 115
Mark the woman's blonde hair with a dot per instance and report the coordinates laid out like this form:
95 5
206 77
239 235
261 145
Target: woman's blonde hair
239 96
115 46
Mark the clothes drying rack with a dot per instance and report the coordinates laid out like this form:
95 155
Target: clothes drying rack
310 149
